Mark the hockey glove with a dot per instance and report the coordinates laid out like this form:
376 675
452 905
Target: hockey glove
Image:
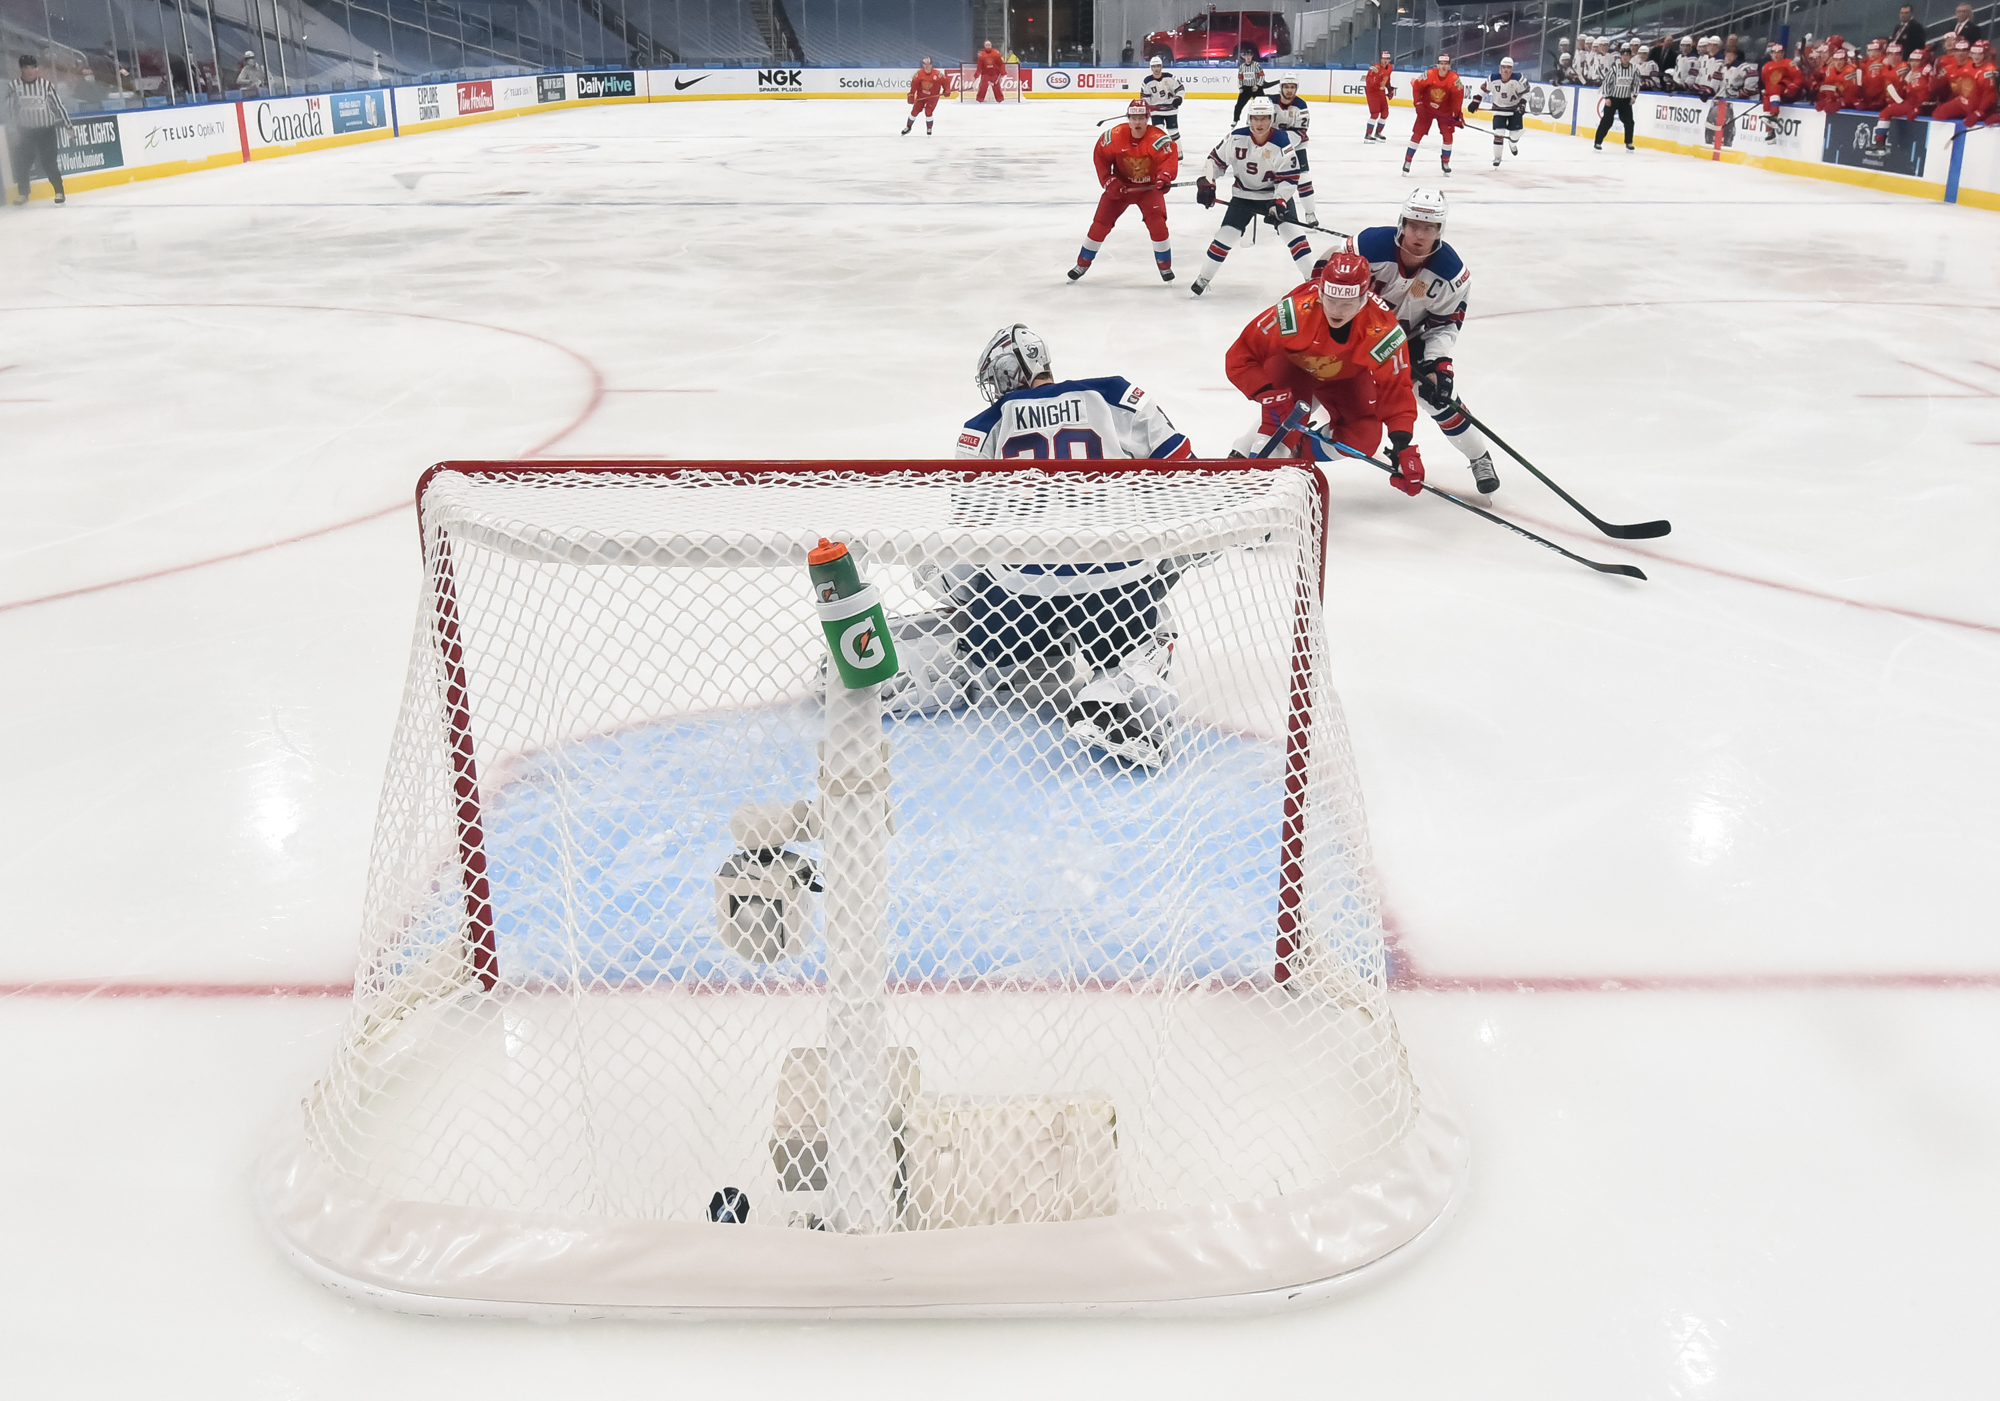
1408 477
1435 380
1277 403
1472 106
1279 212
1204 192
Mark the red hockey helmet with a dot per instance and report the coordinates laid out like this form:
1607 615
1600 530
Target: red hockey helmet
1137 108
1345 278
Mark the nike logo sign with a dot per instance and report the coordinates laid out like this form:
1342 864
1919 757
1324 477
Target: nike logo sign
680 86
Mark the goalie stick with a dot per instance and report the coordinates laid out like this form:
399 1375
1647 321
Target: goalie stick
1630 571
1644 530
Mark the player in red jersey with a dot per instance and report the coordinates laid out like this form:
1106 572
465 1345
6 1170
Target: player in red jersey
1782 81
1909 86
1832 78
1332 342
1381 84
1973 89
1136 164
992 68
927 85
1440 98
1876 71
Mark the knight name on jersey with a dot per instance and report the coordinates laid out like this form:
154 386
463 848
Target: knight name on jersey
1054 414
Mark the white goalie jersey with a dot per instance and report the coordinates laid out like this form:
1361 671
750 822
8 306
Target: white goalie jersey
1076 418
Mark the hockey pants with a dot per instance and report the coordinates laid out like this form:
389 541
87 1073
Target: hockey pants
1005 628
1243 96
1111 206
1349 403
999 94
1445 126
1236 219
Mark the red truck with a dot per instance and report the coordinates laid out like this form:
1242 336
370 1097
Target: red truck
1221 35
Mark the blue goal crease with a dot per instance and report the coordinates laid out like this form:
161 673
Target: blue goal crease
602 853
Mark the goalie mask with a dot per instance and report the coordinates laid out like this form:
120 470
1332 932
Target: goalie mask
1011 361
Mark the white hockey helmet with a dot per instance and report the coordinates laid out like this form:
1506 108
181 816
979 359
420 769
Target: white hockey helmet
1156 62
1012 360
1260 107
1506 63
1426 207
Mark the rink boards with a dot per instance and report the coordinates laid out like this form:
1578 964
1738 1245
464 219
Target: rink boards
1923 159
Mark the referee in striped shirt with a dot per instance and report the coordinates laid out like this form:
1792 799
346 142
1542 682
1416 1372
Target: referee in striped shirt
34 111
1620 86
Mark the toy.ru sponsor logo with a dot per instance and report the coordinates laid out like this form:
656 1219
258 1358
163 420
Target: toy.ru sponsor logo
276 128
163 135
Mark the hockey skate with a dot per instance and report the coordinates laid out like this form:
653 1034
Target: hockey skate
1078 271
1513 147
1127 711
1496 158
1166 274
1199 285
1483 475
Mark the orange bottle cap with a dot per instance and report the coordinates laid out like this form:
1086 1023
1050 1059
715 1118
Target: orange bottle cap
826 552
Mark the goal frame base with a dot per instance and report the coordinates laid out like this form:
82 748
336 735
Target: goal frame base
1436 1135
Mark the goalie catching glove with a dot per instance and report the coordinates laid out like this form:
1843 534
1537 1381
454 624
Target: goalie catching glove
1408 477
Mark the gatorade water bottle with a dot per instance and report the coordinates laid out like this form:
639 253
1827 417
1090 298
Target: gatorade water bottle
850 612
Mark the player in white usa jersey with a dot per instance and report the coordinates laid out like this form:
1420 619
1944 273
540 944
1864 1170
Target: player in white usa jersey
1294 119
1262 164
1093 638
1163 94
1506 96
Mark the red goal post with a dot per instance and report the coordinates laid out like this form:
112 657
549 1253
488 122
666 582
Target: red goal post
968 83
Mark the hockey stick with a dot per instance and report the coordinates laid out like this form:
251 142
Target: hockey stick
1644 530
1629 571
1292 420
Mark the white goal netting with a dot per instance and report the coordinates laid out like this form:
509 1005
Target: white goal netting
1050 973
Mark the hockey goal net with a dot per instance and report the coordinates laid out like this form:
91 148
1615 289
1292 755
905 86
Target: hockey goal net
693 978
968 84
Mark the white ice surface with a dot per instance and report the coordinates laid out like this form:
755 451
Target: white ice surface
1753 1192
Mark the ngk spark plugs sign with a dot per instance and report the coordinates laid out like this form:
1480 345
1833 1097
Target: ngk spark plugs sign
475 98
